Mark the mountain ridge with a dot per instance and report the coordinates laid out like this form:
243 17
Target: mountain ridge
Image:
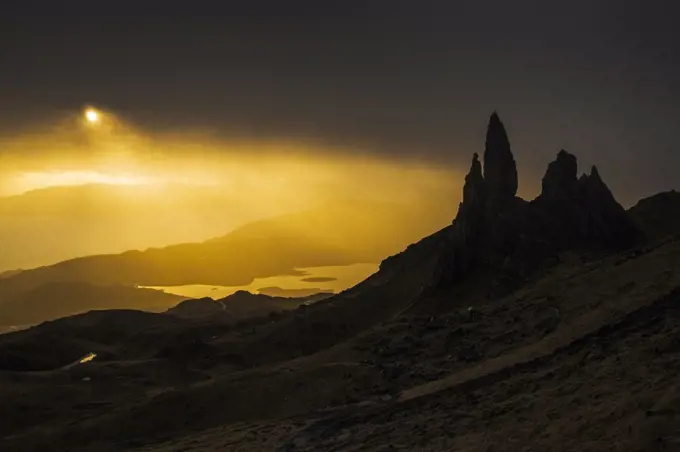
329 235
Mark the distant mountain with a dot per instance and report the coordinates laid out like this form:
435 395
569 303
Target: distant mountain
333 234
8 273
98 219
59 299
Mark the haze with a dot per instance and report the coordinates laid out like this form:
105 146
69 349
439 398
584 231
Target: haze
104 186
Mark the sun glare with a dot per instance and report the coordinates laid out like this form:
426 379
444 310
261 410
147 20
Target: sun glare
35 180
92 115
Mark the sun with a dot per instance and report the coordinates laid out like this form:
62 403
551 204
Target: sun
92 116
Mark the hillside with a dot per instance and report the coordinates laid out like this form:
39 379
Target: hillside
550 324
241 305
659 215
95 219
59 299
336 234
99 218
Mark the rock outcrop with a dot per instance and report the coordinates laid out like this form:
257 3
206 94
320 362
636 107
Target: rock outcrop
608 224
560 182
471 209
658 216
500 171
504 236
581 212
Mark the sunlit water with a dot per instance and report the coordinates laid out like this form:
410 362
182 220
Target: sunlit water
312 280
87 358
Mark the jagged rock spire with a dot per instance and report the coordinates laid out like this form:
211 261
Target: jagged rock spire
595 174
473 190
560 177
471 210
596 190
500 171
507 238
583 211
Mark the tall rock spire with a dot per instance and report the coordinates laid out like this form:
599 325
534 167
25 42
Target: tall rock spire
500 171
505 239
474 190
471 210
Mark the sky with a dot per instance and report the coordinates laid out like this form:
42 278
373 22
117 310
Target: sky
409 81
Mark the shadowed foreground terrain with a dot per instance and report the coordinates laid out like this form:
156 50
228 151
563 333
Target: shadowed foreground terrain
549 325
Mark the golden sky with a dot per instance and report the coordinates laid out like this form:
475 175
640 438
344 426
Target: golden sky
102 185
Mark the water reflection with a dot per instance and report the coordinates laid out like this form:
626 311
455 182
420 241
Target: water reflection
87 358
307 281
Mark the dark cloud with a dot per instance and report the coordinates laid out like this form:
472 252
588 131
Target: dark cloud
396 77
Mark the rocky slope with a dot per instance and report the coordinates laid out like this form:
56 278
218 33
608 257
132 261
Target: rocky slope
659 215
